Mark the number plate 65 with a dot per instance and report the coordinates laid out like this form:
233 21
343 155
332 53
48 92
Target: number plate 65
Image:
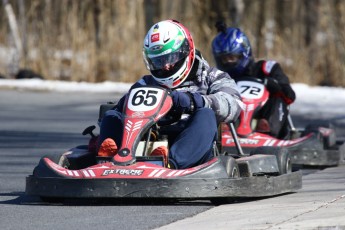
144 99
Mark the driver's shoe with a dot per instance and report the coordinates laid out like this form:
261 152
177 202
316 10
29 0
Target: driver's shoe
108 148
263 126
161 151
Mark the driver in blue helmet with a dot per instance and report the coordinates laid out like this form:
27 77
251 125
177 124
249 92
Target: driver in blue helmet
233 54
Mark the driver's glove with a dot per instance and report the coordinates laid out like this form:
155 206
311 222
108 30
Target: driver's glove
272 85
186 102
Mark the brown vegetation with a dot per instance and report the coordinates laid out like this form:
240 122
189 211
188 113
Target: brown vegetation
97 40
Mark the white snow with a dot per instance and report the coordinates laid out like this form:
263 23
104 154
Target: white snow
317 101
64 86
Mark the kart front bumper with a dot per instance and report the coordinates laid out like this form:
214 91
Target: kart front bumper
256 186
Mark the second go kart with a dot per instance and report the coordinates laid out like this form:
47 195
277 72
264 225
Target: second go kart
315 145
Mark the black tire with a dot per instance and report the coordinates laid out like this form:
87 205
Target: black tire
230 166
282 154
233 171
104 108
314 127
53 157
328 141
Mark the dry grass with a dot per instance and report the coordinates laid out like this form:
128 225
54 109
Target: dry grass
97 40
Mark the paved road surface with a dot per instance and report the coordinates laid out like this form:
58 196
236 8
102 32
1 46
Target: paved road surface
319 205
33 124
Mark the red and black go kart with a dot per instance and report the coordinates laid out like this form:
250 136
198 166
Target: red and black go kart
132 172
316 145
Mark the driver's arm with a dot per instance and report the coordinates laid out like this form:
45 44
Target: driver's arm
223 97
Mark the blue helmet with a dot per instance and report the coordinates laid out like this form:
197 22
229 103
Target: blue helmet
231 50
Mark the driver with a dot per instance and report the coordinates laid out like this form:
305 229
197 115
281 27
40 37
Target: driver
233 54
205 94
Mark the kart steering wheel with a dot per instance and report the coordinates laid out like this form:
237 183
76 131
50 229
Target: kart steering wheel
169 118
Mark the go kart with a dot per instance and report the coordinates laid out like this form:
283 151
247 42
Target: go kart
315 145
133 172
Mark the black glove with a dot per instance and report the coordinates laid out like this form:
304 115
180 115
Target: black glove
272 85
186 102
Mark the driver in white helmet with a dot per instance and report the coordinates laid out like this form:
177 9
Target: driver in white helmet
207 95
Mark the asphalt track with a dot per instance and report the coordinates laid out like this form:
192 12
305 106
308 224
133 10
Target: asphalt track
33 124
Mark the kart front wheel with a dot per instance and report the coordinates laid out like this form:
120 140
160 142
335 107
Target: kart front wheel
282 155
231 166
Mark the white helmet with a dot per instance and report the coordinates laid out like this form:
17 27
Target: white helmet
169 52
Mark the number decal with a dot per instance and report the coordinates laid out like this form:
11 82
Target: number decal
151 98
148 100
144 99
250 90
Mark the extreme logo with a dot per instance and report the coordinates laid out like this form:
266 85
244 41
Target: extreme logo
243 141
124 172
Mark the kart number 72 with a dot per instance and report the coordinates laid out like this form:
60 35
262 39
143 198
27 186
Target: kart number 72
250 90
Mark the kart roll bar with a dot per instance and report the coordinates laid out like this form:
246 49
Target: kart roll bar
292 127
234 135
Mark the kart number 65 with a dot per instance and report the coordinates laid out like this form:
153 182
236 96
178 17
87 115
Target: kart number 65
144 99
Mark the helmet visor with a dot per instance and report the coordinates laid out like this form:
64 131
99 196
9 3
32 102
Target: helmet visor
229 58
170 61
168 71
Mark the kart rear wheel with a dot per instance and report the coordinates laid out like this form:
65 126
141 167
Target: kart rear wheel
329 140
231 166
282 154
314 127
